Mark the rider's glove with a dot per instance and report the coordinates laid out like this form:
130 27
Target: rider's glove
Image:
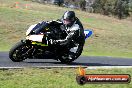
61 42
58 42
53 42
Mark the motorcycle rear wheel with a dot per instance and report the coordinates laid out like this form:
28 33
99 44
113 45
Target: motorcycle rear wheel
75 56
66 60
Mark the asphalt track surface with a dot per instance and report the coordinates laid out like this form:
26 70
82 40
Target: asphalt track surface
81 61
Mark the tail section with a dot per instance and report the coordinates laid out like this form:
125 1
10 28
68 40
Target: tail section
88 33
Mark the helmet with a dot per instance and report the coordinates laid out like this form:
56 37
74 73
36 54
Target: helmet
68 18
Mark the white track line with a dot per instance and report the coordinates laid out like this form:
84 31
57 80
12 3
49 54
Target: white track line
41 67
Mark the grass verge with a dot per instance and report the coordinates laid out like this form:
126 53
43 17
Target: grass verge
54 78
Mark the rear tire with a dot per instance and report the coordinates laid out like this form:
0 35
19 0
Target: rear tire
16 52
66 60
74 56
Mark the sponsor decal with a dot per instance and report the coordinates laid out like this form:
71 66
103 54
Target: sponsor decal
83 78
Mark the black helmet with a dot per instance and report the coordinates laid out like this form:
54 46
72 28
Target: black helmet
69 18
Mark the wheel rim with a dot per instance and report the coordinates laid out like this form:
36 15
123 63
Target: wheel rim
19 53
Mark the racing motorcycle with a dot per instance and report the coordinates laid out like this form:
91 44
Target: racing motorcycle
32 46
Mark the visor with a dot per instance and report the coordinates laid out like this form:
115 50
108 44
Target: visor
66 21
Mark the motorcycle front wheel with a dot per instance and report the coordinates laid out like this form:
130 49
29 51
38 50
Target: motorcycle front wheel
17 52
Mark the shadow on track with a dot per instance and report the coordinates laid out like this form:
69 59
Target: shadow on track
75 64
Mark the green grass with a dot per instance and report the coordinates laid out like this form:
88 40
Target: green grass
54 78
111 37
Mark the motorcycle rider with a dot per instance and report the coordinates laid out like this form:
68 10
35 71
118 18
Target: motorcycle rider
75 37
64 39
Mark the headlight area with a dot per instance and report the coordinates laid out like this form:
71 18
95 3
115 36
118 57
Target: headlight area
29 29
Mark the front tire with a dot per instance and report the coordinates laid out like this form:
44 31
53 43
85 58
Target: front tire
17 51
